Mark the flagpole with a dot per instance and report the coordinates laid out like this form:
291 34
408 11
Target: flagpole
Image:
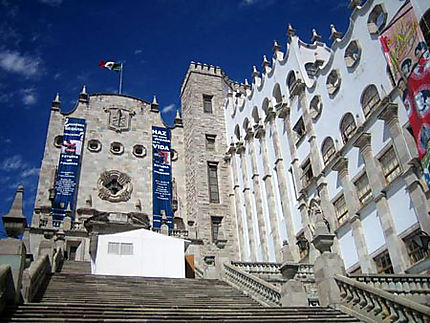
120 79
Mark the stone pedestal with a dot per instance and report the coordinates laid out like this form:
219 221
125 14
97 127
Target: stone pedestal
293 293
326 267
46 247
12 252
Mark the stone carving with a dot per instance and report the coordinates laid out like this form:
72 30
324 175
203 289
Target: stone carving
119 118
114 186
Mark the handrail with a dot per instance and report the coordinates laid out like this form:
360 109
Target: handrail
57 261
305 270
7 288
380 304
401 284
256 287
34 277
199 272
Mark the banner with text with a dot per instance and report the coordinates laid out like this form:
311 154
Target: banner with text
69 167
408 57
161 178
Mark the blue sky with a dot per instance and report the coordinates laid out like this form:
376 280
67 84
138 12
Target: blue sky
49 46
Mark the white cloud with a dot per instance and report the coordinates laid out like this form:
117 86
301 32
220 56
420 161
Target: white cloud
15 62
138 51
28 96
52 2
30 172
168 108
12 163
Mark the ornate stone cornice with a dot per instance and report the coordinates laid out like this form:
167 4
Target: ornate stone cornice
298 88
353 218
380 195
390 113
249 134
259 131
341 166
284 111
231 149
266 176
240 148
271 114
363 141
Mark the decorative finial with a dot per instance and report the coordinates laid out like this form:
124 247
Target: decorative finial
83 96
55 105
276 46
265 61
334 33
178 119
14 222
246 83
354 4
255 72
291 31
154 100
315 36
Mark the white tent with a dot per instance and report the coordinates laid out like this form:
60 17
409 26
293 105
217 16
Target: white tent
139 253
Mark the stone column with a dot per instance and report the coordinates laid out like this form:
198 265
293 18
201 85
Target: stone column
412 179
258 199
240 149
304 212
260 133
396 247
353 205
282 182
237 203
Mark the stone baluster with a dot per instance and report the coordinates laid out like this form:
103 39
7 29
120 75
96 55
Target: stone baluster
353 204
240 149
391 118
237 202
282 182
257 193
260 133
396 247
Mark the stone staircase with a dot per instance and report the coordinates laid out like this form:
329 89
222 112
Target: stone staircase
76 267
80 297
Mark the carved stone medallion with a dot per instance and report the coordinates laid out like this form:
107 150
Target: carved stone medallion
114 186
119 118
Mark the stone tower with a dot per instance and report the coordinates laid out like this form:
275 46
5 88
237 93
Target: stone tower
207 173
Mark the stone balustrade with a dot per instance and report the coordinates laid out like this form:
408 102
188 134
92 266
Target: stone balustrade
258 289
34 277
398 284
7 288
379 305
57 261
305 270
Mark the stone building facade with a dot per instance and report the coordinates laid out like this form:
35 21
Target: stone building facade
320 127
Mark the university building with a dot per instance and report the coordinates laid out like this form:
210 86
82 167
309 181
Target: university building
319 130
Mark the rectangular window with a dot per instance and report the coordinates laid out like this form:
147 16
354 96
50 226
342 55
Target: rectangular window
363 189
113 248
390 165
383 263
215 223
299 130
307 173
340 209
213 182
120 248
210 142
414 251
207 103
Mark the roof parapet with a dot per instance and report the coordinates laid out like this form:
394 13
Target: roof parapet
335 35
277 53
315 36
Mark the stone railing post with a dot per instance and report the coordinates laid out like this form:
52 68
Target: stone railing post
12 253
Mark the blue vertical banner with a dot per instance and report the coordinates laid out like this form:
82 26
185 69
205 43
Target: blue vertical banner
161 178
67 180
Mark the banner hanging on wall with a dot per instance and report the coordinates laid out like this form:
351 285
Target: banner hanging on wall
68 168
408 57
161 178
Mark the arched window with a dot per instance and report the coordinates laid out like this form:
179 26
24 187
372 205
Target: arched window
377 19
352 54
333 82
265 106
328 149
237 132
369 99
291 80
425 26
311 69
315 107
255 115
347 127
277 95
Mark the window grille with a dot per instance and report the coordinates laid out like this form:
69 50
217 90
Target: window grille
120 248
307 173
340 209
390 165
369 100
215 225
207 103
347 127
299 130
414 251
383 263
328 149
213 182
363 189
113 248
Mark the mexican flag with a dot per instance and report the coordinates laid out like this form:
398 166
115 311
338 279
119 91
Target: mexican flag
113 66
